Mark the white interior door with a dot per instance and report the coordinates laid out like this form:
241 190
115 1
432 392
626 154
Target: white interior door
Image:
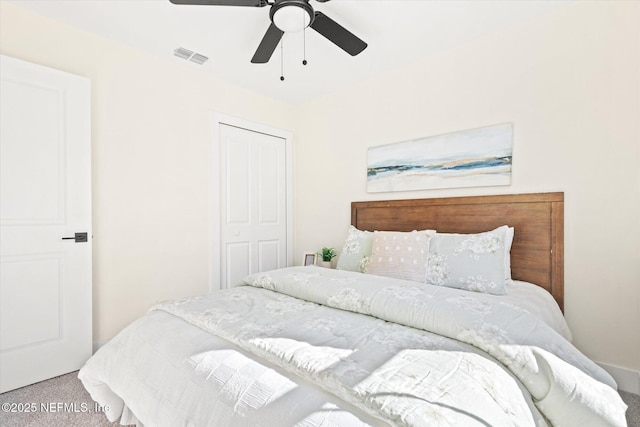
253 215
45 196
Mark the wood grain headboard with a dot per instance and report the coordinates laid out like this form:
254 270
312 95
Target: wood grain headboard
537 253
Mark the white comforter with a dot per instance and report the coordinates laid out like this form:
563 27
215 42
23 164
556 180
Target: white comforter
383 351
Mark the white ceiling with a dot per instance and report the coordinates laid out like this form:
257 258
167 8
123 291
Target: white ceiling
398 33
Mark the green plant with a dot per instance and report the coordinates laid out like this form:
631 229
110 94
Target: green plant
327 254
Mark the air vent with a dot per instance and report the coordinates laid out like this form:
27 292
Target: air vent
190 55
198 59
183 53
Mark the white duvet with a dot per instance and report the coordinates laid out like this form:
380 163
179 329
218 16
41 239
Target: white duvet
320 347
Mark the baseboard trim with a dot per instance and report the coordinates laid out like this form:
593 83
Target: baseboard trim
627 379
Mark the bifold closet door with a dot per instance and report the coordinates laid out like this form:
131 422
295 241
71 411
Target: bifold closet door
253 215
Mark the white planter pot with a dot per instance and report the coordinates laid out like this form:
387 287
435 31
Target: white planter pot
325 264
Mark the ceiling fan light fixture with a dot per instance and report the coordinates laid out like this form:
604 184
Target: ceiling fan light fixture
291 16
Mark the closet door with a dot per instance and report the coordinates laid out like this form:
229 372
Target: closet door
253 228
45 221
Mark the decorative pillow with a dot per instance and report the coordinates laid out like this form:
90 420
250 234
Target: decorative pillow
356 250
402 255
507 257
473 262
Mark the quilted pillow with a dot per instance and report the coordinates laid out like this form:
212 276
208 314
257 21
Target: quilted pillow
473 262
507 255
356 250
402 255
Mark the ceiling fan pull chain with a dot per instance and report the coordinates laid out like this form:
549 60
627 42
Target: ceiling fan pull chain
282 59
304 43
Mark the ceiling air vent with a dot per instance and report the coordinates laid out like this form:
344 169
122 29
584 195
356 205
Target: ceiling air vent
183 53
190 55
198 59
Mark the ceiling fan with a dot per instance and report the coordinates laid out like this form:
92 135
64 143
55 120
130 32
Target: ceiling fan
291 16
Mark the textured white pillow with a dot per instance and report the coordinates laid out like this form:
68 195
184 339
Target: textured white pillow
507 255
402 255
356 250
473 262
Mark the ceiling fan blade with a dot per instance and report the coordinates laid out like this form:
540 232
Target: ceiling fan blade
255 3
337 34
267 45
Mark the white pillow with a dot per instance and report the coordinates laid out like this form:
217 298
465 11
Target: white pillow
507 260
402 255
473 262
355 251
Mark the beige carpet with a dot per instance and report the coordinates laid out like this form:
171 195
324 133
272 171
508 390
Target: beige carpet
63 402
58 402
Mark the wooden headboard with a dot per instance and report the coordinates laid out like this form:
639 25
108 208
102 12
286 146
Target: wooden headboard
537 253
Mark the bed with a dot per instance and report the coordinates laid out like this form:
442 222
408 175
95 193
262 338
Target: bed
310 346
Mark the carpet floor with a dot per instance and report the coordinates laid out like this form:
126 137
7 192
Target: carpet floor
63 402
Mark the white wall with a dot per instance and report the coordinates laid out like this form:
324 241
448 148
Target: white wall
151 161
570 84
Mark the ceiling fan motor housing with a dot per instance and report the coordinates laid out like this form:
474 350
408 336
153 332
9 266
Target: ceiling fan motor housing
291 15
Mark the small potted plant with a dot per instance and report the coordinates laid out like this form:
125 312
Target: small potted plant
325 256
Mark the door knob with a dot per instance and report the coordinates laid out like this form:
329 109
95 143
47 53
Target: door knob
79 237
